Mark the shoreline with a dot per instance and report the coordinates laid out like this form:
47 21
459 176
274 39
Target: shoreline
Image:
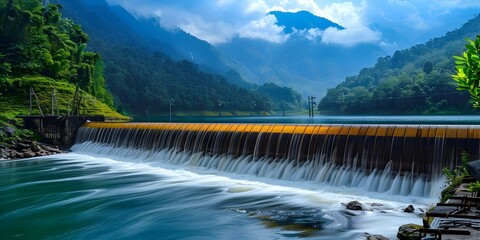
28 149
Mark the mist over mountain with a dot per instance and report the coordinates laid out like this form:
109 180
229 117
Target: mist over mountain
302 62
313 55
116 25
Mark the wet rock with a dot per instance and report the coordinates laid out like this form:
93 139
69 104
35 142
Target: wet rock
16 154
376 205
408 232
4 154
51 149
21 146
354 205
29 154
474 169
376 237
9 130
409 209
42 153
36 147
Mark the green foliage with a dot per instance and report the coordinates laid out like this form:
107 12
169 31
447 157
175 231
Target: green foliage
143 82
15 98
474 187
8 121
36 41
415 80
468 71
455 176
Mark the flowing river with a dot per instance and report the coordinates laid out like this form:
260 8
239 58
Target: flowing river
102 191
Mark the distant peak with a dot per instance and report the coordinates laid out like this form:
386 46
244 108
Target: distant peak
302 20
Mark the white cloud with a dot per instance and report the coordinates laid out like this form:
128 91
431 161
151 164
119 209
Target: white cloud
313 34
350 36
265 29
219 21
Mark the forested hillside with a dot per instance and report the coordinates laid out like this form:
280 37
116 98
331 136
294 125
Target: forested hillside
415 80
144 82
143 75
40 50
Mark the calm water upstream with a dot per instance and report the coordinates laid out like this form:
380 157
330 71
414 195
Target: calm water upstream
97 192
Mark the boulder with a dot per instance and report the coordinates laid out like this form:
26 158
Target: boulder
409 209
409 232
9 130
21 146
51 149
354 205
4 154
474 169
376 205
42 153
36 147
376 237
16 154
28 154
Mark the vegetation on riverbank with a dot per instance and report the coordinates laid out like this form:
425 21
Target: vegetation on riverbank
41 51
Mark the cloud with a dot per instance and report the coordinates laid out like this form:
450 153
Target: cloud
350 36
215 21
219 21
265 29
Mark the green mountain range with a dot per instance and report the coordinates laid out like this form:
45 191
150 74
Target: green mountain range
414 80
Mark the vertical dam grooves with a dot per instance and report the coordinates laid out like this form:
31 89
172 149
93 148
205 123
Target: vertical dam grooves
397 159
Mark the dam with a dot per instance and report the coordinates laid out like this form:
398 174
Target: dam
395 159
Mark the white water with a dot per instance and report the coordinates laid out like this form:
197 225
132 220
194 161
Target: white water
299 193
380 181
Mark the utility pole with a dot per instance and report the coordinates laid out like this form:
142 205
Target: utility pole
311 104
220 103
170 103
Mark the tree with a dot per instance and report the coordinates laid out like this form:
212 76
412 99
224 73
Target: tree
427 67
468 71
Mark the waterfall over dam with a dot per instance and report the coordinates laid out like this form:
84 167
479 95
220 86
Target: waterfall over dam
396 159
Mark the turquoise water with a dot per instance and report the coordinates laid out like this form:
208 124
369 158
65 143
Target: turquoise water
97 193
340 119
79 196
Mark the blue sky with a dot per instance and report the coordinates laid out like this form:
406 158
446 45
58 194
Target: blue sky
220 21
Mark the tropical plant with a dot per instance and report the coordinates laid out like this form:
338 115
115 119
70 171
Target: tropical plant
468 71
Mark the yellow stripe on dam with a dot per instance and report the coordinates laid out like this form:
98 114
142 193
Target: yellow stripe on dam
423 131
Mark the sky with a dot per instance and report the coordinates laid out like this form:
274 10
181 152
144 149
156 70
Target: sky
220 21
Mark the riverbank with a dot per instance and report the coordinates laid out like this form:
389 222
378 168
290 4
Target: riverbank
28 149
20 143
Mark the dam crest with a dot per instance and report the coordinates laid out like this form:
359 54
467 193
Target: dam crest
395 159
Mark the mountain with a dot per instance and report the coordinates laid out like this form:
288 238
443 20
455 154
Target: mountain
302 20
309 66
414 80
113 25
145 69
306 64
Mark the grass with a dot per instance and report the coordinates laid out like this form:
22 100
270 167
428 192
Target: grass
15 95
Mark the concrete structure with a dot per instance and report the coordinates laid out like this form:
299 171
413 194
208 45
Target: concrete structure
58 130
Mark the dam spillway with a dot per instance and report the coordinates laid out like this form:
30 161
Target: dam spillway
398 159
